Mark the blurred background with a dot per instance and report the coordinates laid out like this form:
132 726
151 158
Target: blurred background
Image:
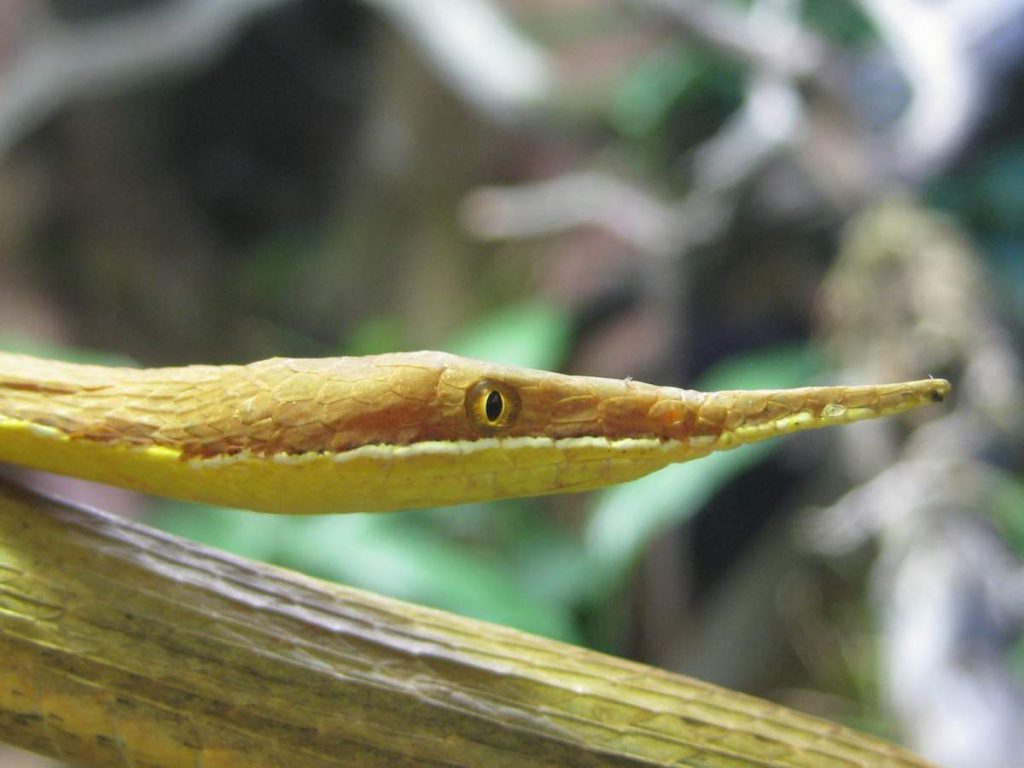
704 193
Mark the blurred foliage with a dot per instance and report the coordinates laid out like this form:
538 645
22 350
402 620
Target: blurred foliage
987 195
1006 511
840 20
676 96
197 234
532 334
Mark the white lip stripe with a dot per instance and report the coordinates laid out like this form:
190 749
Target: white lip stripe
557 449
385 452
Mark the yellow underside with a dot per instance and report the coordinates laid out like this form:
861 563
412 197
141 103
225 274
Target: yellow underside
372 478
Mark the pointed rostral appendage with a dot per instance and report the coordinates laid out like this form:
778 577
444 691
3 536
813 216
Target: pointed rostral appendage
731 418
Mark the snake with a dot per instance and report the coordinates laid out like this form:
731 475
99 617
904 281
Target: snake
390 431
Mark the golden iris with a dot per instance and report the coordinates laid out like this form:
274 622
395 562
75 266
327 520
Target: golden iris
492 406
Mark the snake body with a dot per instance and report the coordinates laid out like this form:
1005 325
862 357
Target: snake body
387 432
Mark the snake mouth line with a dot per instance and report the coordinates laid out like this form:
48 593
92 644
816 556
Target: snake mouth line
539 450
602 447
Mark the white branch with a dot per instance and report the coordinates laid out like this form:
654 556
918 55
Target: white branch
930 49
572 200
729 30
475 49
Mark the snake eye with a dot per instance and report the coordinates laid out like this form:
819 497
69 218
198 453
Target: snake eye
492 406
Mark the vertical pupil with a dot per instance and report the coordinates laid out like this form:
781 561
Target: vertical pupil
494 405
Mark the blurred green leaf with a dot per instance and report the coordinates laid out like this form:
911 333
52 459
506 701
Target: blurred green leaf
546 556
376 335
1016 659
1007 510
644 99
269 271
533 334
678 97
248 534
399 555
997 190
775 368
628 517
842 22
